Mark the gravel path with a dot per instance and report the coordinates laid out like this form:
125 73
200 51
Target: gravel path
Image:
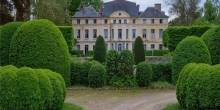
140 99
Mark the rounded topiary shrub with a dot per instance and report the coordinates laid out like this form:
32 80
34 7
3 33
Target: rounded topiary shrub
182 85
8 86
212 40
189 50
97 76
100 50
143 74
27 90
6 33
40 44
138 51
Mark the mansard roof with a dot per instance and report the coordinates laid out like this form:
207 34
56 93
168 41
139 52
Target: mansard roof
87 12
152 12
120 5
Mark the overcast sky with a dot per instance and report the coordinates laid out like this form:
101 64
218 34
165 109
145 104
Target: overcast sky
149 3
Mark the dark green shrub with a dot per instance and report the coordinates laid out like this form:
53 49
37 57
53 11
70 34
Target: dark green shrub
97 76
125 63
165 38
143 74
111 64
27 90
162 72
68 35
156 52
212 40
100 50
123 82
177 33
190 50
8 86
182 85
138 51
6 33
40 44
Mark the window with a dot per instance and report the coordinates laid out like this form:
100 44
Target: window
144 33
119 14
95 21
93 47
106 33
78 47
152 21
86 49
127 46
134 21
152 46
144 20
161 33
114 21
106 21
145 47
86 33
127 32
119 33
125 21
161 21
113 33
78 33
161 46
119 47
153 34
78 21
94 33
134 33
87 21
119 21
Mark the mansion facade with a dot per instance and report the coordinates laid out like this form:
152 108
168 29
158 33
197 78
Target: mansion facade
120 22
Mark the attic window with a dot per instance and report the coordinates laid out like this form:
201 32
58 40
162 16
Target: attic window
119 14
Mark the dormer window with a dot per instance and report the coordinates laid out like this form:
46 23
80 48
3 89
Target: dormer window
161 21
95 21
87 21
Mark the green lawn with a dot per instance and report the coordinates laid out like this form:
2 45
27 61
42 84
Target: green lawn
68 106
172 107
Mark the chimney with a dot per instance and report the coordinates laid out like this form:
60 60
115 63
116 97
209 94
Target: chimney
158 6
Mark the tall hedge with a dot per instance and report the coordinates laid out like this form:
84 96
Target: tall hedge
6 33
144 74
40 44
100 50
177 33
139 55
162 72
30 89
190 50
212 40
67 32
111 63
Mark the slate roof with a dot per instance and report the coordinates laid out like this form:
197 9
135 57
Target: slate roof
130 7
151 12
87 12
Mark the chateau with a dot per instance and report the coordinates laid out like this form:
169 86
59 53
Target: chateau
119 22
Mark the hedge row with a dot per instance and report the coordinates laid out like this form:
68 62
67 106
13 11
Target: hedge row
162 72
156 52
173 35
189 50
40 44
30 89
198 87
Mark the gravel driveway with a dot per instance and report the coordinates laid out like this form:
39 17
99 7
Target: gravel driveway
141 99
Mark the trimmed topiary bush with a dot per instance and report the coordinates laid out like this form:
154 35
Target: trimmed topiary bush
212 40
111 64
139 55
97 76
6 33
143 74
40 44
100 50
190 50
67 32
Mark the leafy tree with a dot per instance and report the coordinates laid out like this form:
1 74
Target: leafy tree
95 3
139 55
23 9
144 74
74 6
100 50
210 11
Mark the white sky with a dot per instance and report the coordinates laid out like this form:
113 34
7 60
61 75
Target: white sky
149 3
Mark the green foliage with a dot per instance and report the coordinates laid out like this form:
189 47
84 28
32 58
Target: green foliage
176 34
97 76
143 74
162 72
165 38
40 44
100 50
161 85
212 40
68 106
156 52
6 33
74 6
210 11
173 107
125 63
199 87
123 81
111 63
138 51
67 32
190 50
30 89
